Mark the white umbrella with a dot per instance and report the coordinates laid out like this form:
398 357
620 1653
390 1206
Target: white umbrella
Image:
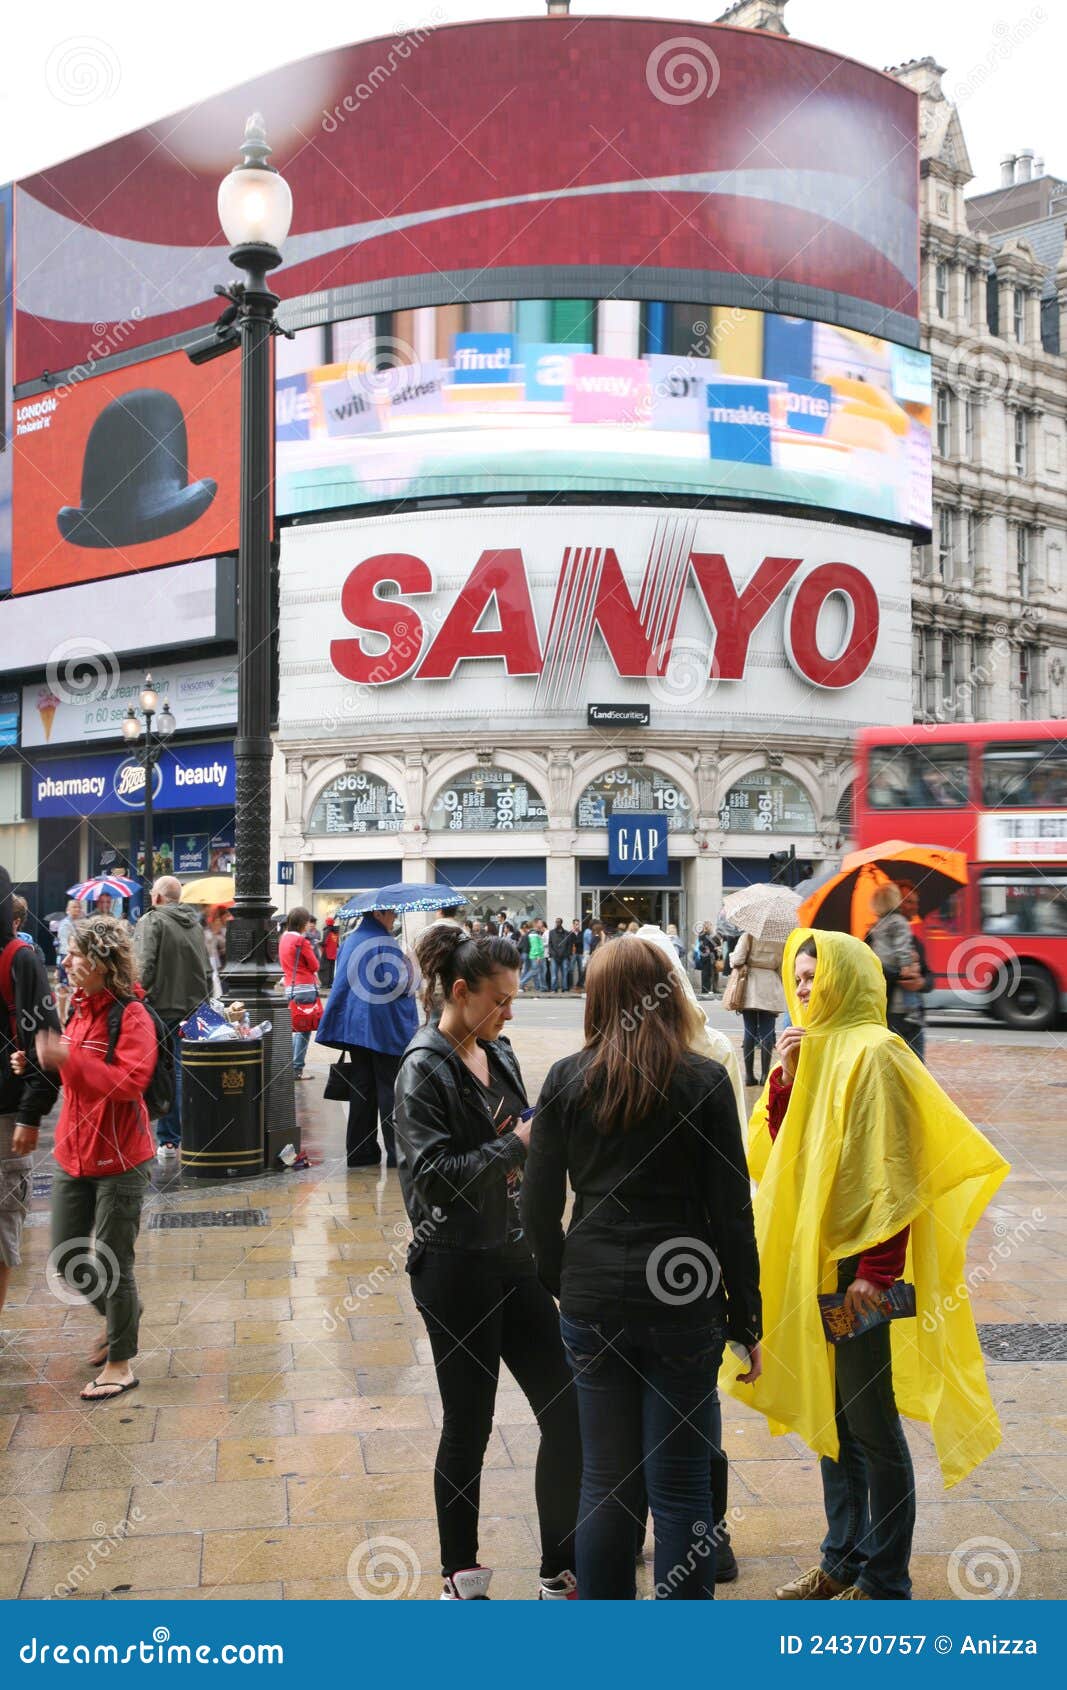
765 911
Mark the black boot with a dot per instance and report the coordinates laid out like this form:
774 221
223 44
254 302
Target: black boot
750 1075
726 1568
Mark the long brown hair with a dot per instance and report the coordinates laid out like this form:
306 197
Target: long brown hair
636 1030
106 942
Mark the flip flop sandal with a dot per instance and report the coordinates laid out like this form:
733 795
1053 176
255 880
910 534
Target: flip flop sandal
109 1389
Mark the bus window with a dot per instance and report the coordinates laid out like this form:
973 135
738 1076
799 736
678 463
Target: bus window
918 777
1030 776
1021 905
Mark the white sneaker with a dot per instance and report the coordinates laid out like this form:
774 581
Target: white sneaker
564 1588
166 1153
469 1585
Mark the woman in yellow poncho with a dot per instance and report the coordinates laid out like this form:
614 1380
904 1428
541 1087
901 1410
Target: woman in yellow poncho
871 1156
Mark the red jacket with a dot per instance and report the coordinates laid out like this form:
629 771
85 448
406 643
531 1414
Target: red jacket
103 1123
294 951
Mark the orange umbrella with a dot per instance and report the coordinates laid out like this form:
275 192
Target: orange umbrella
843 903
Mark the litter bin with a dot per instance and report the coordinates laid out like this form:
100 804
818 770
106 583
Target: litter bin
222 1108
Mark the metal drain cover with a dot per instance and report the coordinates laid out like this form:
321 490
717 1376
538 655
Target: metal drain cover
165 1220
1024 1343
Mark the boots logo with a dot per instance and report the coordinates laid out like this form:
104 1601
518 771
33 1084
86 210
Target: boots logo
128 784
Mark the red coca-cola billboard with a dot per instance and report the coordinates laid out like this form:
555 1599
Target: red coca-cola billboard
528 146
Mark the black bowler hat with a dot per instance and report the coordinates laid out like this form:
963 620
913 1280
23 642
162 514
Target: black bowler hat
135 478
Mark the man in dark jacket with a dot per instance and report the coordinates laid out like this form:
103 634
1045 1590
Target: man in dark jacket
560 947
172 963
26 1091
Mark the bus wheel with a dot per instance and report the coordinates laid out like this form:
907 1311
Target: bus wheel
1029 1002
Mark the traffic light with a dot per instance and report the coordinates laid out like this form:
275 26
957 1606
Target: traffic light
782 865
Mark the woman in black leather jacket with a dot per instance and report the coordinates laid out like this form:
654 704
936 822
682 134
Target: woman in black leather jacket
658 1269
461 1142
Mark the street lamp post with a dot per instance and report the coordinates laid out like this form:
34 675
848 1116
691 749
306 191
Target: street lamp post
148 755
255 209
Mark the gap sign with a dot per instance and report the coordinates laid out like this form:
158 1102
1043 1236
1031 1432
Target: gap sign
637 843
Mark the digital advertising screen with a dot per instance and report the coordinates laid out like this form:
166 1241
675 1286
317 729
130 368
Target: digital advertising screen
751 406
126 471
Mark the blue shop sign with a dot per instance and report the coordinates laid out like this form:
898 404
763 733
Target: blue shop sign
187 777
191 853
637 843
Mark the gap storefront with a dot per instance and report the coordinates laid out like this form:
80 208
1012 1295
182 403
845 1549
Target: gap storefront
90 814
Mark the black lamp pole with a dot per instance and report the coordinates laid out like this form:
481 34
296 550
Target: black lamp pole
148 755
251 972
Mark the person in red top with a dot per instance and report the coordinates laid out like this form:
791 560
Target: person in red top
330 947
300 976
103 1147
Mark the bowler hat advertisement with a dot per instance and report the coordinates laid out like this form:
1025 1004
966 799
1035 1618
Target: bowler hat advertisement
126 471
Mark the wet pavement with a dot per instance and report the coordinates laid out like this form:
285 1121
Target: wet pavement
281 1442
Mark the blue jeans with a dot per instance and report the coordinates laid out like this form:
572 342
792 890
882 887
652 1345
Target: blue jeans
559 972
300 1050
169 1126
646 1404
869 1491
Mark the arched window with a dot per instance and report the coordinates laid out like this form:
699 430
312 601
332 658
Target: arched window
358 802
767 801
634 788
487 800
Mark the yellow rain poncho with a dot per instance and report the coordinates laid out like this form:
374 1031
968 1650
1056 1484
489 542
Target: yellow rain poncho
870 1144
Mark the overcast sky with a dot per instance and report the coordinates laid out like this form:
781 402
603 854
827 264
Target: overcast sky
72 76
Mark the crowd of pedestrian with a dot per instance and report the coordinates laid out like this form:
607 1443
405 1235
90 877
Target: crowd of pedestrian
666 1282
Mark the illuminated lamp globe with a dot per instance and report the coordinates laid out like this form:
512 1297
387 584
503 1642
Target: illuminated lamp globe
255 203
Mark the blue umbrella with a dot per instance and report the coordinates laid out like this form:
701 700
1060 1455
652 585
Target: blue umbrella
403 895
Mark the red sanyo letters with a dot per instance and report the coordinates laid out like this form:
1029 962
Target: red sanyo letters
592 593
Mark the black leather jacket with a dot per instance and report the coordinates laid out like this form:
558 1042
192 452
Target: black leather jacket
452 1165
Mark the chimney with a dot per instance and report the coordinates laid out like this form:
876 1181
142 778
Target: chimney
1007 170
1039 168
1024 165
559 8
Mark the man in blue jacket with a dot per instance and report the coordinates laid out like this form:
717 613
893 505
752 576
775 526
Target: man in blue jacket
371 1014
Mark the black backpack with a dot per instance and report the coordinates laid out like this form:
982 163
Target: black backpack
159 1092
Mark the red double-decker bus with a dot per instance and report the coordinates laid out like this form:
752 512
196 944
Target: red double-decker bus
998 792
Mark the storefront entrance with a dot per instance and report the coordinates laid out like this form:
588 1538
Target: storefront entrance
623 904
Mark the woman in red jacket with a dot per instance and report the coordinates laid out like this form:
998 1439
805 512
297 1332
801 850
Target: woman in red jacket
300 977
103 1146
